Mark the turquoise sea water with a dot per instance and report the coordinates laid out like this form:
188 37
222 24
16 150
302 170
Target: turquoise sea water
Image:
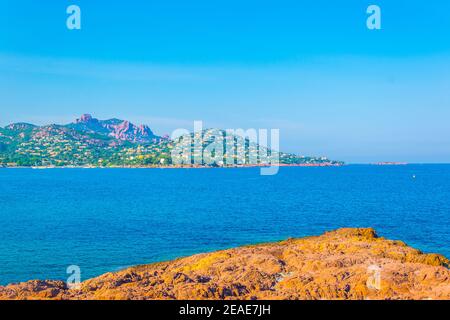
107 219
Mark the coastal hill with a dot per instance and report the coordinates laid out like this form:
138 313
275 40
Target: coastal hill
89 142
343 264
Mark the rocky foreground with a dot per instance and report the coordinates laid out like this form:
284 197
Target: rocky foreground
343 264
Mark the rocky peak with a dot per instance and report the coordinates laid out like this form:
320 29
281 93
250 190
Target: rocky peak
130 132
119 129
85 118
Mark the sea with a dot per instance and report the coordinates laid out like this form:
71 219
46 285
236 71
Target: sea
105 220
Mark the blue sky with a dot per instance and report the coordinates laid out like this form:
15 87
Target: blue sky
310 68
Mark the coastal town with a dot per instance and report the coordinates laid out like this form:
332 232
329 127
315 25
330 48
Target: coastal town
89 142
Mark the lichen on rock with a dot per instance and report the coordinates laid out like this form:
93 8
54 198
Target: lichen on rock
343 264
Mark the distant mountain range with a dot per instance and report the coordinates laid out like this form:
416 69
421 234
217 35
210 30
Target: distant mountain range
101 143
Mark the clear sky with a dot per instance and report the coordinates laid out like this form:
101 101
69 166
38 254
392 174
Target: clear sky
310 68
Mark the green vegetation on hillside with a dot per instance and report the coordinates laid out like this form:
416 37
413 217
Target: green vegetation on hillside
95 143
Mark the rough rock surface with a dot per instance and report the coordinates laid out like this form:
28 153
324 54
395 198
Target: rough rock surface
118 129
342 264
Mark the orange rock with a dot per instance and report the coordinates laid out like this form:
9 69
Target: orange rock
342 264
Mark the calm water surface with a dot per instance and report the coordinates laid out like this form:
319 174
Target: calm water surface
106 219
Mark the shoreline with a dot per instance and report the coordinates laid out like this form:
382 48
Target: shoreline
174 166
338 264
